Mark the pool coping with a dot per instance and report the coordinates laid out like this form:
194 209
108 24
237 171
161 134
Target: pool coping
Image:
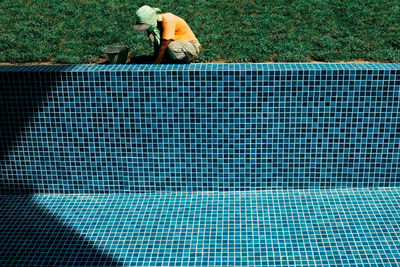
203 67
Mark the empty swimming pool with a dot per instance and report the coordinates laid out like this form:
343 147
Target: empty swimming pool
200 165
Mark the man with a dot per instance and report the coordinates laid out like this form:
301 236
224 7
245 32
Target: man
172 38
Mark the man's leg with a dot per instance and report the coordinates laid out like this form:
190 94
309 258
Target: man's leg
156 47
183 52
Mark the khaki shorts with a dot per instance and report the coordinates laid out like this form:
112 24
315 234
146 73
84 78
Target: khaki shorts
179 49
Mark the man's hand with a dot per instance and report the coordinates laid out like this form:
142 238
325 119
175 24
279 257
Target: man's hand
161 52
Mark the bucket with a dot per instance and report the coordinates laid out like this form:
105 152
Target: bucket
116 54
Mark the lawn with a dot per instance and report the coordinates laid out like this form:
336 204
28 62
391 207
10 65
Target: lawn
75 31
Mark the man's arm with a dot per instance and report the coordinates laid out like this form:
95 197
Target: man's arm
161 52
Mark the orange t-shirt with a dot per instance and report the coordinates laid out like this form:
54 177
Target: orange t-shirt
175 28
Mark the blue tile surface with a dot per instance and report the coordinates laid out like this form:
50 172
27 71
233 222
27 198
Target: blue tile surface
336 227
205 127
200 165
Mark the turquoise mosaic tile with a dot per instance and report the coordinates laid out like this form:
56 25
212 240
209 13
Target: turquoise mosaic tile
223 127
200 165
337 227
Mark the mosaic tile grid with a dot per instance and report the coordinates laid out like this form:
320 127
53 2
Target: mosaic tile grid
345 227
223 127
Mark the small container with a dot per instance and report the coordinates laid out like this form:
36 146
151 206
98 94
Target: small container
116 54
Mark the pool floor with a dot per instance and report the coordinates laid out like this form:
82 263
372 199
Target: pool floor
341 227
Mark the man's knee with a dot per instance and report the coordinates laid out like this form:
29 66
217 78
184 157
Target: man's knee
176 50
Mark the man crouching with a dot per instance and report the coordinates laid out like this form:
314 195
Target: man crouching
172 38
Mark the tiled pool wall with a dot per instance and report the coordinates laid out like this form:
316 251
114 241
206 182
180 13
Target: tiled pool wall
199 127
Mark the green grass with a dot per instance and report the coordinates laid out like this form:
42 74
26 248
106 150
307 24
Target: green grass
75 31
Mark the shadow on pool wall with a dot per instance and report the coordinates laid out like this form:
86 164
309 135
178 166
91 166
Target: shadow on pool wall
202 127
21 98
37 238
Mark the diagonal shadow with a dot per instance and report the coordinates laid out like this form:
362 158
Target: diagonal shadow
30 236
21 95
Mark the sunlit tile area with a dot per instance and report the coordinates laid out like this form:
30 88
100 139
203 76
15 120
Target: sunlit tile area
345 227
